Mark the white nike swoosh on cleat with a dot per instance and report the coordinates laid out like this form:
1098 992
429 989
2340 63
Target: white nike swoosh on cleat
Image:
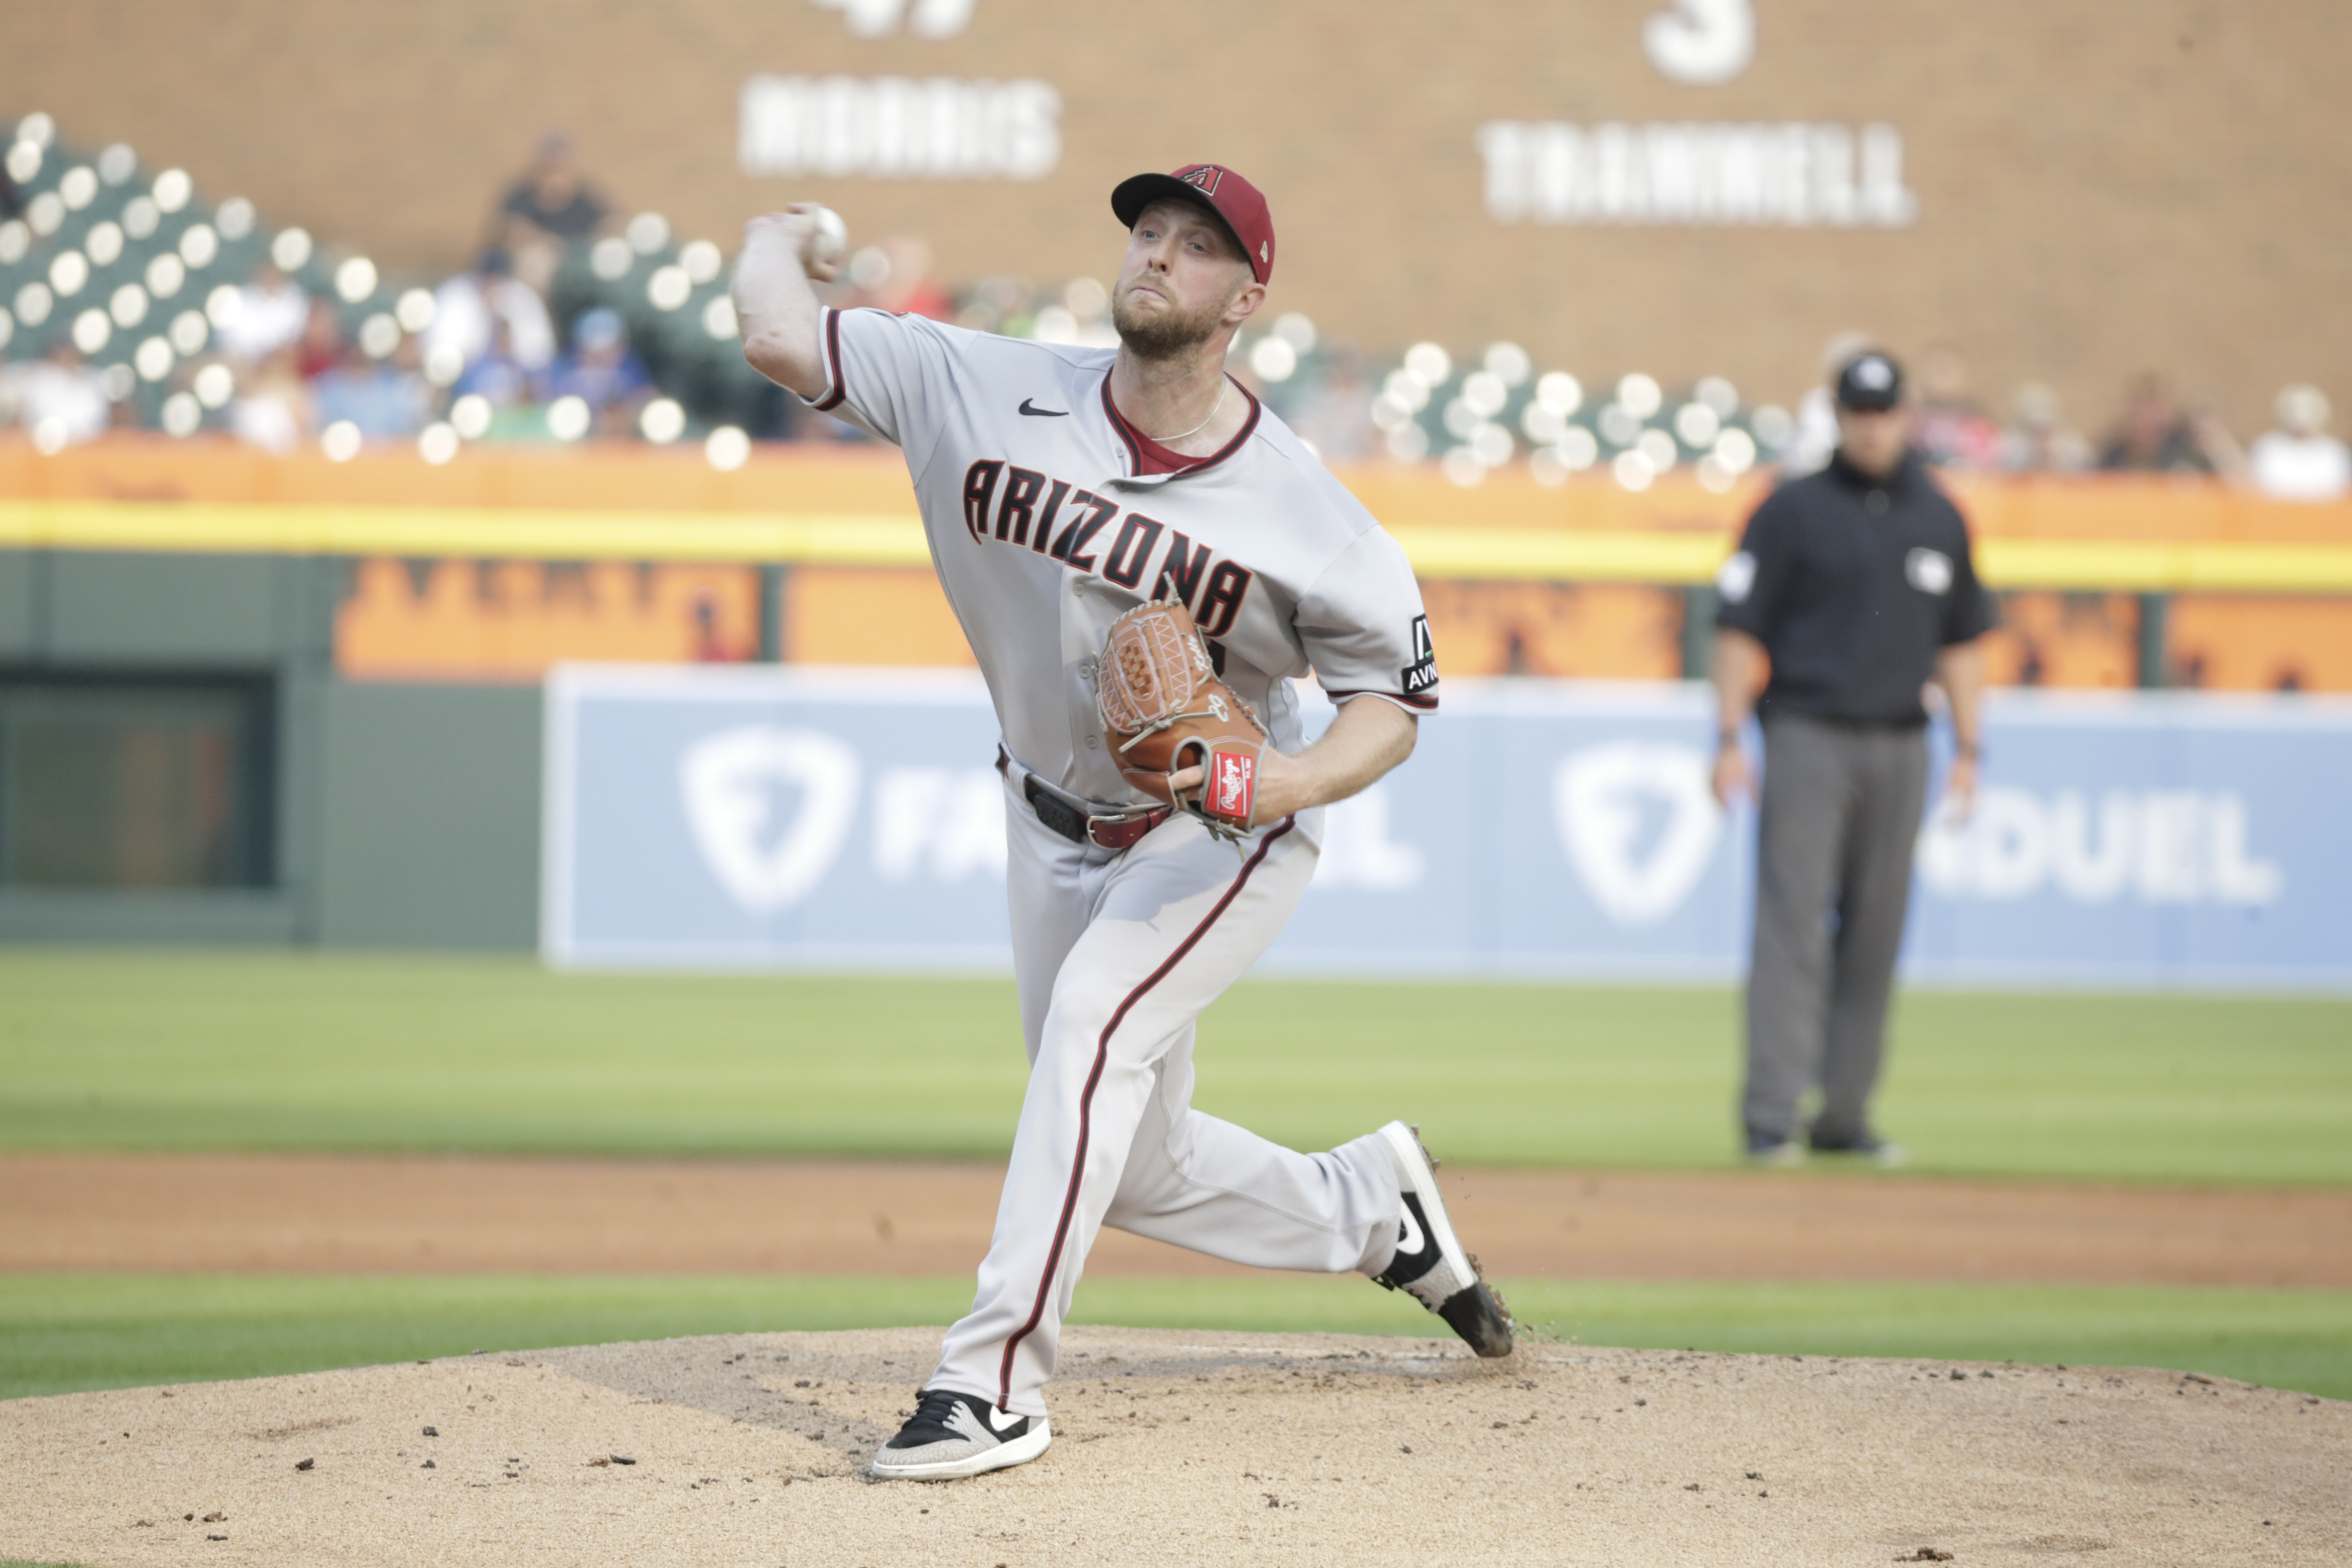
1010 1421
1412 1241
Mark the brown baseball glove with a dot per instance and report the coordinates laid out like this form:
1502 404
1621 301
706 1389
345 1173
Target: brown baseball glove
1165 709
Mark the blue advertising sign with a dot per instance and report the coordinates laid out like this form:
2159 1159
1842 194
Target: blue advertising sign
767 817
2147 840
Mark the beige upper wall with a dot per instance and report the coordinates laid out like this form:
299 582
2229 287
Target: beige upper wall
2103 187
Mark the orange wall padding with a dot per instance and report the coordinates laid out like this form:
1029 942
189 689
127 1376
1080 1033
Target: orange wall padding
2067 639
458 620
508 620
1598 631
869 615
2261 644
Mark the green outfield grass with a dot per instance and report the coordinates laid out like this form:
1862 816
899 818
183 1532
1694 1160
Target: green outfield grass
275 1050
61 1333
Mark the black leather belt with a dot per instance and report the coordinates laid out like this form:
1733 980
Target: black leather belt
1077 820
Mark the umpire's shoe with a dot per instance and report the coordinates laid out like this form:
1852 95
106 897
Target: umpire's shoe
1430 1264
951 1435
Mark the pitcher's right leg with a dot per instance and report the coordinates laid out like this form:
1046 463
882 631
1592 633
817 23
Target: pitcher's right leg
1199 1183
1181 918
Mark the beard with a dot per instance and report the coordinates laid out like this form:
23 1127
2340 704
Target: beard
1169 334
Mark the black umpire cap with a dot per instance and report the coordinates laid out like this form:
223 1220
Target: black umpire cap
1871 382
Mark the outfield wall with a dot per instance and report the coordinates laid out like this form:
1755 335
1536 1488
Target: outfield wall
255 700
766 818
180 763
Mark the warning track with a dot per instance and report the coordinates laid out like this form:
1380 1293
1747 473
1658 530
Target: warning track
396 1214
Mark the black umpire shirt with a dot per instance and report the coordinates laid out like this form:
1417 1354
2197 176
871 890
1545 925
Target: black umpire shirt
1854 584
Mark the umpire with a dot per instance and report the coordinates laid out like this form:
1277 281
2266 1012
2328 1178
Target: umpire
1850 590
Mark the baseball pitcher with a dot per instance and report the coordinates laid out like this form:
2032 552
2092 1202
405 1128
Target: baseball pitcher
1143 558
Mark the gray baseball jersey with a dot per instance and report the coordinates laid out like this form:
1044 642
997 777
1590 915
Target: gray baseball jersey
1044 532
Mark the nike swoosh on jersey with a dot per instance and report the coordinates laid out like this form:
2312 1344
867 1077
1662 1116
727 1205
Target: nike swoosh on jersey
1036 413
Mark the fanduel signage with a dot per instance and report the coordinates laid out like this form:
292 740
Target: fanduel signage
1798 174
2157 847
700 816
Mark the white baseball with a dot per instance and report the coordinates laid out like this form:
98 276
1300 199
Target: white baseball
831 240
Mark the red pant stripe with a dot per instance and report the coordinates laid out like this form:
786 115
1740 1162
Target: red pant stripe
1086 1099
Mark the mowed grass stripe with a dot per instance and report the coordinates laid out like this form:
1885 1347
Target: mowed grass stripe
275 1050
62 1333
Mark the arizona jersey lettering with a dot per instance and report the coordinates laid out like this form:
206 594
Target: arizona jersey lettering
1044 533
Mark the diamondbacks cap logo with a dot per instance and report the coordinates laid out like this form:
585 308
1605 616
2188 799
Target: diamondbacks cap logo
1204 179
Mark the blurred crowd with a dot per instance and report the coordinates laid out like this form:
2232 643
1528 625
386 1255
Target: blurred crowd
127 302
1477 417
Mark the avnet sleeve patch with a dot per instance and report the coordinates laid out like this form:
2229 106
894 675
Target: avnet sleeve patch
1421 673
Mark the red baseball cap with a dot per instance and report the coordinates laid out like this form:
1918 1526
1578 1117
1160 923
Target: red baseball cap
1219 189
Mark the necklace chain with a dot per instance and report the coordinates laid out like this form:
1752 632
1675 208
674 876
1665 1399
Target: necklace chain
1223 385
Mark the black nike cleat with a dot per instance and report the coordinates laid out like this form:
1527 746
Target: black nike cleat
1430 1265
951 1435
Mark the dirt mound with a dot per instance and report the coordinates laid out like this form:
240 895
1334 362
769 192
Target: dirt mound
1179 1447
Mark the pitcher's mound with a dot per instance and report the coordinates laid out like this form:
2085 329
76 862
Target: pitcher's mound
1179 1446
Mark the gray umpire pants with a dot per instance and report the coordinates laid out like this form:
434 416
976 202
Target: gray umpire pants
1839 817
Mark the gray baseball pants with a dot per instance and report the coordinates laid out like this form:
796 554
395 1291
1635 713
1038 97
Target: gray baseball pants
1840 817
1117 955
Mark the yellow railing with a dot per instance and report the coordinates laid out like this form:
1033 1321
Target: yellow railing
834 539
884 540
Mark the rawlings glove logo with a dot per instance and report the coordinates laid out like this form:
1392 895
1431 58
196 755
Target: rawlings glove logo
1232 784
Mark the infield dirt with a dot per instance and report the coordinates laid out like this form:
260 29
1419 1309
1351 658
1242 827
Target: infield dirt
351 1214
1186 1448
